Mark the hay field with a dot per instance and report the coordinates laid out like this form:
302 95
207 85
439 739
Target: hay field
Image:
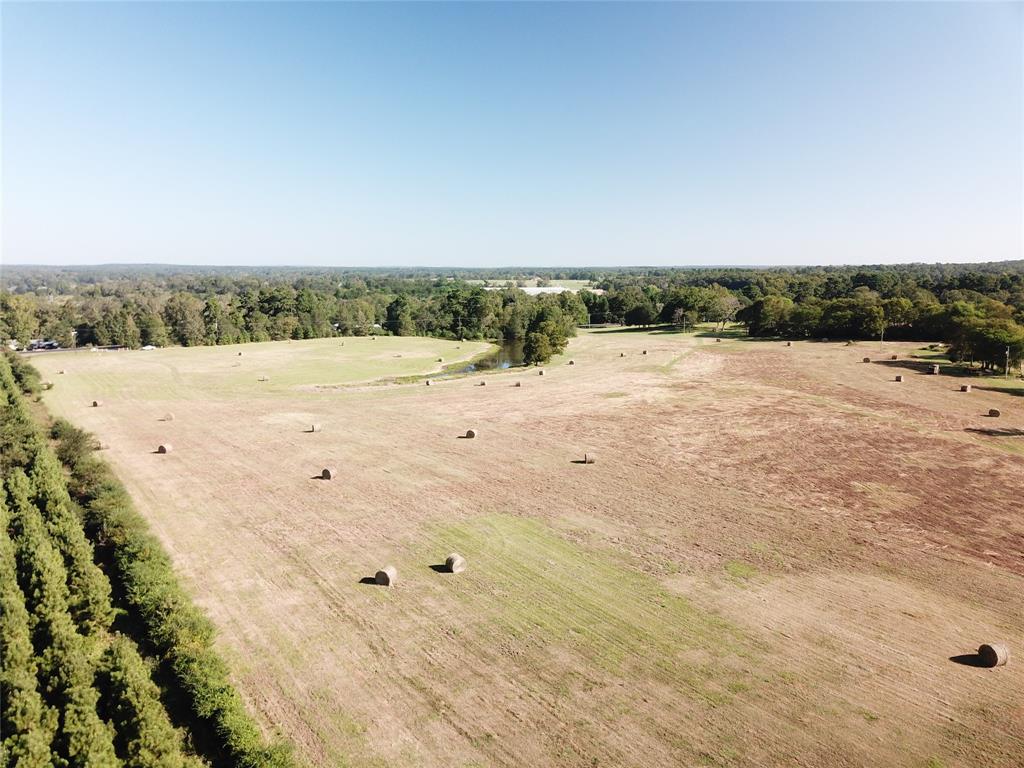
771 563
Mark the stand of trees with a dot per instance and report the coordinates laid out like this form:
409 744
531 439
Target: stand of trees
231 312
978 309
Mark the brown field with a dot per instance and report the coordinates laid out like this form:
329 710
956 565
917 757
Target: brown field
771 563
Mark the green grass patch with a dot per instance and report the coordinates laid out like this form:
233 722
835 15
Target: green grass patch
291 369
534 588
740 571
868 715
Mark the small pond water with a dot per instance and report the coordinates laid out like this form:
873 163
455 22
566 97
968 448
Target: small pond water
508 355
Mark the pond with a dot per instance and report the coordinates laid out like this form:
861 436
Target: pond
509 354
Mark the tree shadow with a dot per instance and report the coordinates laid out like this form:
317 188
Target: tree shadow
968 660
996 431
637 329
937 355
912 365
1015 391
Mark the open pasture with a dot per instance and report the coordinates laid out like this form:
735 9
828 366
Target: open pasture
771 562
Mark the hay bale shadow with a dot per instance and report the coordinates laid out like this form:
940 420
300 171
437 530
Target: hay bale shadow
369 580
969 660
440 568
581 461
910 365
319 477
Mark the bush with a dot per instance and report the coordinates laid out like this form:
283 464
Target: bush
65 669
24 374
130 699
179 633
26 724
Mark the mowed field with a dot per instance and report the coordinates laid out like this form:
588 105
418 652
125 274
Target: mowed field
771 563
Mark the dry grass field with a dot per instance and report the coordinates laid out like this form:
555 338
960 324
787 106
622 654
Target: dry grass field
771 562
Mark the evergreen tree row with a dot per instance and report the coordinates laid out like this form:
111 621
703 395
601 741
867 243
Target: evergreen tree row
73 692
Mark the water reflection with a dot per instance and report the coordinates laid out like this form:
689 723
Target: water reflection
508 355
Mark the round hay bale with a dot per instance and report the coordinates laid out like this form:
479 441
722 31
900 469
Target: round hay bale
328 473
589 458
789 343
168 417
994 655
440 359
47 385
899 377
61 371
315 428
994 413
718 341
894 357
387 576
540 372
518 384
455 563
866 360
164 448
483 383
97 403
645 351
239 354
965 387
428 382
572 362
935 370
622 354
470 434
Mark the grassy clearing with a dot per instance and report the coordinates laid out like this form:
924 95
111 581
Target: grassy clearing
177 373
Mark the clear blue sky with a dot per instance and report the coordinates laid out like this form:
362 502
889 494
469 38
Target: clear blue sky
512 134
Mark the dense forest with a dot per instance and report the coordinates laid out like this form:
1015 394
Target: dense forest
977 309
105 660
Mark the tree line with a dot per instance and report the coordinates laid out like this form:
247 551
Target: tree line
75 689
214 313
977 309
